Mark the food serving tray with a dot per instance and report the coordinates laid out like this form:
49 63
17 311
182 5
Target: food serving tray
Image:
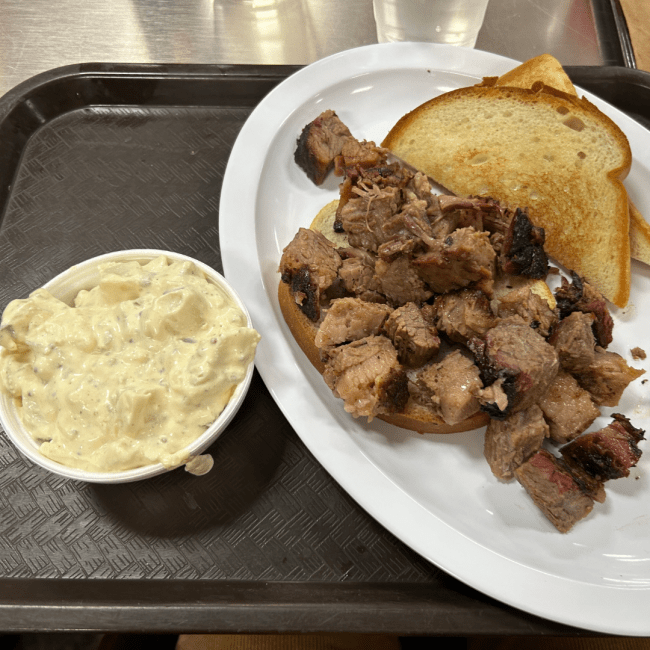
101 157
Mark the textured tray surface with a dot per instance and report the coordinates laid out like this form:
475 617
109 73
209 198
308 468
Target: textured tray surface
100 158
100 179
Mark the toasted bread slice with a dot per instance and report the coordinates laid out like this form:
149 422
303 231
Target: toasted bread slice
553 153
546 69
639 235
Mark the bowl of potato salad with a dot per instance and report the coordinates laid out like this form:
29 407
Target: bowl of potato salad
124 366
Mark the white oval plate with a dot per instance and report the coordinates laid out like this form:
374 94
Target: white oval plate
436 493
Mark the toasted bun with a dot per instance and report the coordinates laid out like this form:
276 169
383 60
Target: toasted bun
551 152
415 417
324 223
545 69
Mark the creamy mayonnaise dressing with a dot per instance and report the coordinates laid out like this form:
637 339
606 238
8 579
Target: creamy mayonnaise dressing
138 369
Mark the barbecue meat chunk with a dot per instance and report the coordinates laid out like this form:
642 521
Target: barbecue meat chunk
350 319
463 258
607 377
449 387
310 264
568 408
522 302
415 339
510 442
579 295
367 217
573 338
521 359
463 315
400 282
523 251
608 453
320 142
554 490
357 274
359 179
368 377
357 156
451 212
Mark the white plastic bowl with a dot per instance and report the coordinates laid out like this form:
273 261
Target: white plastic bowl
66 286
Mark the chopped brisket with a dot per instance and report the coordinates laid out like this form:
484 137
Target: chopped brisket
366 214
368 377
579 295
521 358
607 377
449 387
568 408
310 265
530 307
463 315
359 155
320 142
400 282
415 339
523 251
359 180
357 274
454 212
350 319
463 258
510 442
554 490
573 338
608 453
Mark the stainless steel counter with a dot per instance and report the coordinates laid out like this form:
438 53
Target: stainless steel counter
37 35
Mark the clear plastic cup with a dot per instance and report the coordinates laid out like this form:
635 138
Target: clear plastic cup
453 22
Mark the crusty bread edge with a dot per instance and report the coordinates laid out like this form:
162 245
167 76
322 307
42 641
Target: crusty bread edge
639 235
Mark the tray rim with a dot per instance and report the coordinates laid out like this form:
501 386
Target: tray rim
56 604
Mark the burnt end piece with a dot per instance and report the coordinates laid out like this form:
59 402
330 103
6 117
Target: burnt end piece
490 374
306 294
606 454
523 248
309 264
521 358
579 295
554 490
320 142
393 391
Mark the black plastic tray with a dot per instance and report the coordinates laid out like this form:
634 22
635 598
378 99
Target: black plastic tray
101 157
